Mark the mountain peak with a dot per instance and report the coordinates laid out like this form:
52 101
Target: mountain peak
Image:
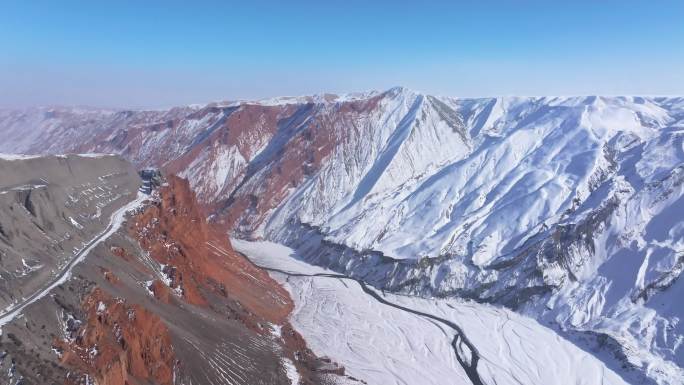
396 90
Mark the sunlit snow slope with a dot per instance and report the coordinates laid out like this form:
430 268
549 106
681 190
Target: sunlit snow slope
566 209
384 345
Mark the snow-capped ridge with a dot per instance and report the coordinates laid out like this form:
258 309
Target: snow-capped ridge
559 206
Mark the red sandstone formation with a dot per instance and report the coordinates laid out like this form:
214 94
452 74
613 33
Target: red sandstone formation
198 259
301 155
123 344
159 290
119 344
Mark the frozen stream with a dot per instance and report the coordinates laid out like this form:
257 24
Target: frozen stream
394 339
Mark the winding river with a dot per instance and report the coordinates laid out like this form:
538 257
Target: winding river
466 353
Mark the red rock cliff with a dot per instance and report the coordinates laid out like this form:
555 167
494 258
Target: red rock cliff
199 259
119 344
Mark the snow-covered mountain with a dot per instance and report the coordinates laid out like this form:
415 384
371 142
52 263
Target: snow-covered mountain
567 209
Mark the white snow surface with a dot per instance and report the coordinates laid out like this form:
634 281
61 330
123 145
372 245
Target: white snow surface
474 184
17 156
291 371
577 200
384 346
582 196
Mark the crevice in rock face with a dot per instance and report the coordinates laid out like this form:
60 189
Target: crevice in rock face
28 204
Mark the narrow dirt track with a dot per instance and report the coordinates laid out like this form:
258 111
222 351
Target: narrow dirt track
115 222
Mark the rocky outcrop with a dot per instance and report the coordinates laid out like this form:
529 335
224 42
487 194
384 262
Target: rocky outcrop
118 344
164 298
197 259
118 341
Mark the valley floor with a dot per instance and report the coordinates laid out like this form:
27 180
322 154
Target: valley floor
380 343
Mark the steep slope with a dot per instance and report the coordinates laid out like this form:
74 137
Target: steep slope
557 210
565 208
156 296
49 209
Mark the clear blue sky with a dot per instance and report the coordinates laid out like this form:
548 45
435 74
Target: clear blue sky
153 54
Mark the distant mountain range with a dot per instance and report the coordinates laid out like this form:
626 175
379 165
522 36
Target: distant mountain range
566 209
